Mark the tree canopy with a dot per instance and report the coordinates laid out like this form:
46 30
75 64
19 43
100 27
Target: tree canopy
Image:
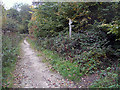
51 18
17 18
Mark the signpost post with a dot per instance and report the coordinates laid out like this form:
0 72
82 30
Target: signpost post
70 27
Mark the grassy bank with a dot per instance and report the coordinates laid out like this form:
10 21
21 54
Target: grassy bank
11 51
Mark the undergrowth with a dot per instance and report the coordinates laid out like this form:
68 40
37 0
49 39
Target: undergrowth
10 51
108 79
88 62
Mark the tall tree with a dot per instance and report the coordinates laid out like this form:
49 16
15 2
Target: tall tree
25 16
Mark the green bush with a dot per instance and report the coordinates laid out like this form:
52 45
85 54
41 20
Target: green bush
52 18
10 25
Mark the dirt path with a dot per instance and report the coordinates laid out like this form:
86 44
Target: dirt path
31 72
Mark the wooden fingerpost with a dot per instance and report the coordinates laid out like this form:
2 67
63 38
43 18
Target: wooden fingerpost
70 27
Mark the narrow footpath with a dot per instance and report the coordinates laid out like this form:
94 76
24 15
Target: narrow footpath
31 72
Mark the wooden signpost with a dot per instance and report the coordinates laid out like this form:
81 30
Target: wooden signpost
70 27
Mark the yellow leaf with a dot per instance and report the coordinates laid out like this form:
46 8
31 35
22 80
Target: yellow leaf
30 12
89 17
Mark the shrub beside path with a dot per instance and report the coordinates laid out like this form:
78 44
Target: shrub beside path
31 72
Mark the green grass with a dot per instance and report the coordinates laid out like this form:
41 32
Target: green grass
64 67
108 79
39 54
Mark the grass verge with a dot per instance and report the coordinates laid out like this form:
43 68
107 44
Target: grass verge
64 67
